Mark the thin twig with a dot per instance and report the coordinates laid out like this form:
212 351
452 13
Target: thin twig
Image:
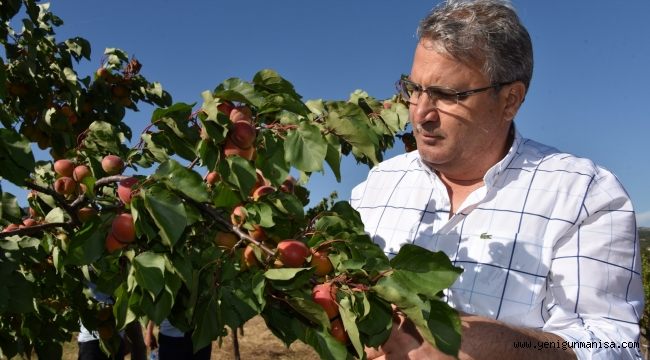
34 229
235 344
60 199
220 219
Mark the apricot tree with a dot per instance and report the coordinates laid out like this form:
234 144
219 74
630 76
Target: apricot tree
200 221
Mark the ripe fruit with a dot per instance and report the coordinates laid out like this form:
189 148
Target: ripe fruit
65 185
321 262
288 185
241 113
82 189
119 91
123 228
112 164
212 178
242 134
10 227
86 213
102 73
249 260
261 191
231 149
67 111
338 331
226 240
124 189
238 216
112 244
80 172
258 233
226 108
29 222
64 167
292 253
260 180
325 296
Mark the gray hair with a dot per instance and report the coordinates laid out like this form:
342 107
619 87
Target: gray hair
484 32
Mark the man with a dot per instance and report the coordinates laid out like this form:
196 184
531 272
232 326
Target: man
547 240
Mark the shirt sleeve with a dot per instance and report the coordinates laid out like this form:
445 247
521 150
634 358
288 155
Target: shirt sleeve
595 281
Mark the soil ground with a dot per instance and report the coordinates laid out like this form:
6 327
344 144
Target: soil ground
256 343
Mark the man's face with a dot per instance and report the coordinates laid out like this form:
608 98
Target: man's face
464 138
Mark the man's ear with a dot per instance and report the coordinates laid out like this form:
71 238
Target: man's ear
515 94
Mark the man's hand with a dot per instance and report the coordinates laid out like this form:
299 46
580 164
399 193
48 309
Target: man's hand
483 338
405 342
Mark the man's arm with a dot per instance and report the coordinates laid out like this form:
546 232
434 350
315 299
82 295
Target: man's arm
483 338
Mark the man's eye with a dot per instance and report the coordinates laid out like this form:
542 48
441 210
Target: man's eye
441 94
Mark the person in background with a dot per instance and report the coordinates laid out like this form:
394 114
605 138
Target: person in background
88 341
173 344
547 240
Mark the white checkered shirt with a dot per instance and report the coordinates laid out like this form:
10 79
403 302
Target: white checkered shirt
549 242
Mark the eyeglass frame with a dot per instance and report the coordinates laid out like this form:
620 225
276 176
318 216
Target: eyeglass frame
447 92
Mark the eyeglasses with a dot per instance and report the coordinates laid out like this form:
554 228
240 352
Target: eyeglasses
412 91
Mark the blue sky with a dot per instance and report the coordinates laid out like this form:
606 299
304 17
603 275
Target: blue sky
589 96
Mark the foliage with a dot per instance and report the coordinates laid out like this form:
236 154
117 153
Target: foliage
644 237
158 244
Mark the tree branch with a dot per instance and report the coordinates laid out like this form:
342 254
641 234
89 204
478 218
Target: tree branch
34 229
242 235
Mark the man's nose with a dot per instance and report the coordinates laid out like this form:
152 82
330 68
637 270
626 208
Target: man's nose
423 109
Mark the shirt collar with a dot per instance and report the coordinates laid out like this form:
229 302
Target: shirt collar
492 174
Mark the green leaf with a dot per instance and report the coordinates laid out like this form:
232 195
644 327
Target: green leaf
209 325
310 310
86 244
349 319
377 324
271 81
333 156
224 196
21 291
234 89
239 300
351 123
149 271
208 152
290 279
242 174
279 102
305 148
183 180
325 344
422 271
9 209
271 159
445 326
56 215
79 47
167 211
179 112
123 315
396 117
103 137
16 158
157 145
283 273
